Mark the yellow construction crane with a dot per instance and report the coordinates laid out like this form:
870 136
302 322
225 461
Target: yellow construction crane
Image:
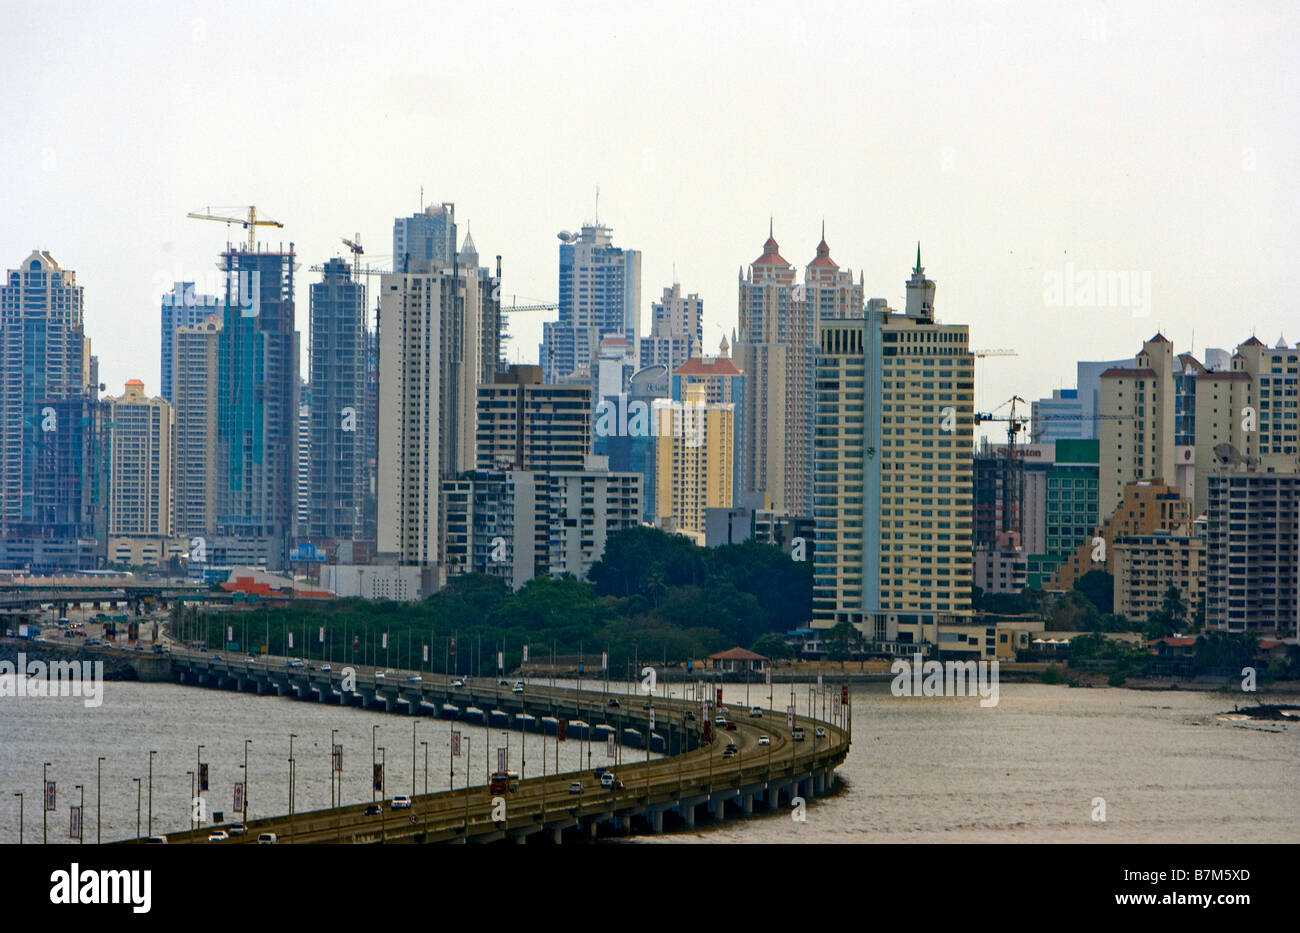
354 244
251 223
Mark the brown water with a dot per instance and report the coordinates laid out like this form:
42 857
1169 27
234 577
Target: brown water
1169 768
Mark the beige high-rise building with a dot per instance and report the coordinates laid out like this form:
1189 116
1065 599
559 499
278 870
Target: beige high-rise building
1137 427
695 455
525 424
776 348
1163 416
1148 507
893 496
194 464
140 459
432 358
1147 565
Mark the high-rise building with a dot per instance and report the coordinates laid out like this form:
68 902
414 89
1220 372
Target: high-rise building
302 473
1148 507
600 294
776 348
490 525
1071 413
425 242
257 426
585 507
893 492
140 461
723 383
1146 566
526 424
195 432
695 461
625 430
339 407
1162 416
1253 547
183 306
53 481
1137 433
439 340
676 329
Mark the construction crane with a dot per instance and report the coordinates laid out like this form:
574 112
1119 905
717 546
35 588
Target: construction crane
1012 467
251 223
354 244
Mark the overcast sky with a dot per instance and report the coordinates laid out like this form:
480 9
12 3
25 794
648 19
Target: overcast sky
1027 149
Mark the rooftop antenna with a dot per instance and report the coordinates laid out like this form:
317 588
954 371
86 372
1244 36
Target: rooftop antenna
422 198
598 205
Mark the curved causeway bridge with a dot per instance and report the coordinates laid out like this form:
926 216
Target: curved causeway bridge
669 789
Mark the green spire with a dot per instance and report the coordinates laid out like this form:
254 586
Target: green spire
918 255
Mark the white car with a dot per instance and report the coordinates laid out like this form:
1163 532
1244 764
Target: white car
458 683
401 802
764 740
517 688
219 835
267 839
326 668
414 679
379 675
819 733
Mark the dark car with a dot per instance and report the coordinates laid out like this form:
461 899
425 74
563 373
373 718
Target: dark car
374 810
613 703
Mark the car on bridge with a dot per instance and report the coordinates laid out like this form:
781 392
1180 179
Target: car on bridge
294 662
374 809
237 829
267 839
756 712
613 703
458 683
819 733
518 687
414 679
764 740
218 835
609 780
401 802
575 787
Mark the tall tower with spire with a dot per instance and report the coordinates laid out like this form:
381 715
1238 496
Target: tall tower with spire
920 292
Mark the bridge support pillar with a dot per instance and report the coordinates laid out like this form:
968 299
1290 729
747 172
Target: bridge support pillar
687 812
520 839
557 836
591 829
749 804
657 821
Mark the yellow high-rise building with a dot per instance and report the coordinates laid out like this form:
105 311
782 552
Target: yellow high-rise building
695 457
892 496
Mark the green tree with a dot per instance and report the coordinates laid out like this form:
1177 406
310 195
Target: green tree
772 646
1099 588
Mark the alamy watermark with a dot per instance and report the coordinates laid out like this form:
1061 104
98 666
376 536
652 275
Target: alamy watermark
37 678
1101 288
917 678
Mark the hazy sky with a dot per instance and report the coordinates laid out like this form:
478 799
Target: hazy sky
1027 149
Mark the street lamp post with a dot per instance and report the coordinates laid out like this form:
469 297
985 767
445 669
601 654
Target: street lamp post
333 732
198 784
425 746
98 770
45 783
81 815
292 736
20 817
374 735
383 834
137 807
190 775
247 781
152 752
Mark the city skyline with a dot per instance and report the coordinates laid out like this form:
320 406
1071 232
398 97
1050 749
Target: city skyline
1129 163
